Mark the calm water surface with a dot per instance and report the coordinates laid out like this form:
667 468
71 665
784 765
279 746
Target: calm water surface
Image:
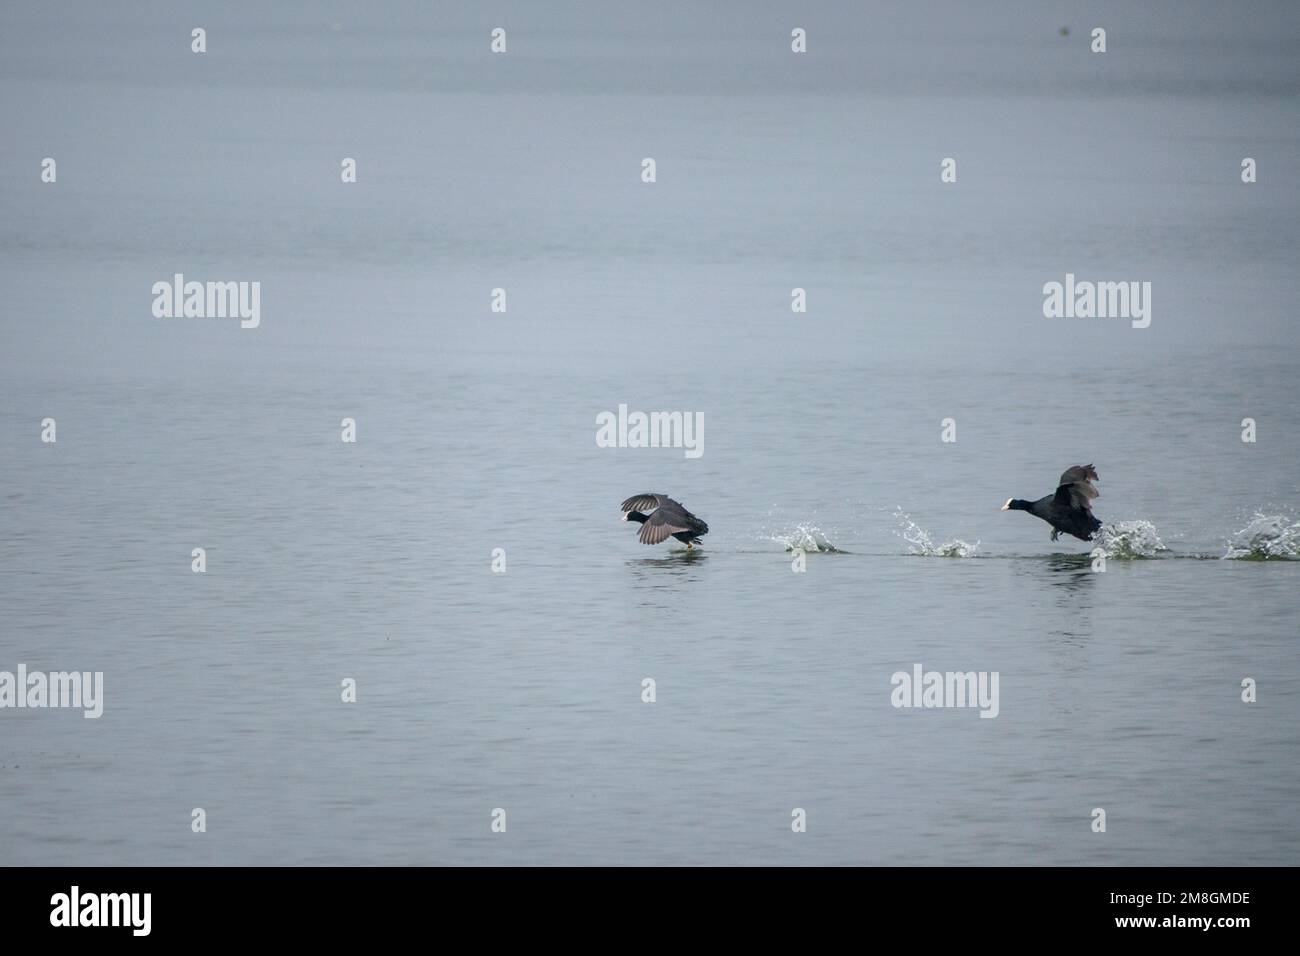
476 431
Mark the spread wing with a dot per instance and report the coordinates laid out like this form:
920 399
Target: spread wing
1076 489
645 502
660 526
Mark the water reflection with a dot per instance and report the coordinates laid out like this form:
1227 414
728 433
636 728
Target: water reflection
1073 570
1073 580
675 563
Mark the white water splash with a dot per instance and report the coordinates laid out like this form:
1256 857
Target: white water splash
1267 537
919 541
1125 540
803 537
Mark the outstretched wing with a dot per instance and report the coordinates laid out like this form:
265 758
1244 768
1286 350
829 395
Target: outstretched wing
1076 489
660 526
646 502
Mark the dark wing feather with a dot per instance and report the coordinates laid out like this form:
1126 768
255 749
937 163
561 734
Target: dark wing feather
1075 489
660 527
645 502
1075 473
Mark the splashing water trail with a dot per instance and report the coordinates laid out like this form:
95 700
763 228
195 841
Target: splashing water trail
1266 538
1128 540
920 543
804 537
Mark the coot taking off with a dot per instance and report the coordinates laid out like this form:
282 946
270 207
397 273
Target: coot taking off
667 517
1069 510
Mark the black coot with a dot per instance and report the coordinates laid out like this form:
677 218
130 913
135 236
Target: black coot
666 518
1069 509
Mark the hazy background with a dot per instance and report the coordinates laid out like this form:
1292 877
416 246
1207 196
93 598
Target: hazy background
476 431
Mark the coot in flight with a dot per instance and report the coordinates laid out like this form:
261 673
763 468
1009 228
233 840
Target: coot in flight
1069 509
666 518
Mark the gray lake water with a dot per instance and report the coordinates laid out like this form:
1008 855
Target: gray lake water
1119 689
